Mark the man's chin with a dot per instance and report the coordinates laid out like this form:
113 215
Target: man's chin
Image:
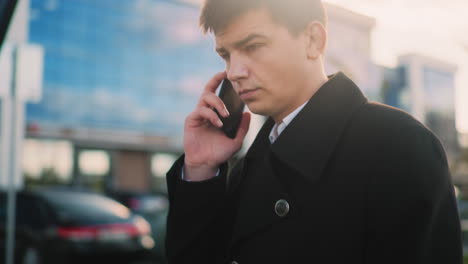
255 108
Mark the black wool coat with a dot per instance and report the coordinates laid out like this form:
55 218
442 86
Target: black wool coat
348 181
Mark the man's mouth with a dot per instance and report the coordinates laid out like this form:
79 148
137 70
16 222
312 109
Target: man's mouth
247 93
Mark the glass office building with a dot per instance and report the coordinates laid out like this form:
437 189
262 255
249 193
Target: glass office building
439 99
120 65
425 87
394 91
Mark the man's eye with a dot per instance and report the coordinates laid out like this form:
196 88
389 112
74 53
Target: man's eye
253 47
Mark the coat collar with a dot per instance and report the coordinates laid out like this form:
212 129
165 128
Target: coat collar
326 112
310 138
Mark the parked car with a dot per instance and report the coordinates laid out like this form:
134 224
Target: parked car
143 203
463 213
67 226
154 208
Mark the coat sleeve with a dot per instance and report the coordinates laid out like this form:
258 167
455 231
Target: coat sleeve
412 212
199 219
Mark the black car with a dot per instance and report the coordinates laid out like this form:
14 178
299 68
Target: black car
463 213
143 203
66 226
154 208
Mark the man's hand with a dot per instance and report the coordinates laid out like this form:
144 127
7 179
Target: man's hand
206 146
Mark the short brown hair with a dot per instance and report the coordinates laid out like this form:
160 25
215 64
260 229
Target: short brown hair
294 14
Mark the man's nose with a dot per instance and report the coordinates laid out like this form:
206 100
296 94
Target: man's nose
237 69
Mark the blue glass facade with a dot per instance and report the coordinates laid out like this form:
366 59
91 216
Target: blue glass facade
133 65
438 91
439 88
394 87
439 100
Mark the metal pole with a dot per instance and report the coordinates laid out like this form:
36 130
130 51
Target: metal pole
5 129
11 198
6 171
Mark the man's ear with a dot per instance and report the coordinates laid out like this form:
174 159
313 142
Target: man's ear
316 39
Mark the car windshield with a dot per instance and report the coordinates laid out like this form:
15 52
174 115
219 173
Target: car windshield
73 207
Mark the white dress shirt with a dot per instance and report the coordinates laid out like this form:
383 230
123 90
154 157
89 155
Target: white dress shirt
279 128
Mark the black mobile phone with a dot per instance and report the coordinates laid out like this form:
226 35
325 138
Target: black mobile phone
234 105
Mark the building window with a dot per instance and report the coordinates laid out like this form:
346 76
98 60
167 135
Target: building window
161 163
94 162
47 162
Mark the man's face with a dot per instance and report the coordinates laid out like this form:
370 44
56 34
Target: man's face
265 62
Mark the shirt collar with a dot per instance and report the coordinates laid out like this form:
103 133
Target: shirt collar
279 128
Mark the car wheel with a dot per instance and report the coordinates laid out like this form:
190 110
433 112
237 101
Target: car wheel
31 256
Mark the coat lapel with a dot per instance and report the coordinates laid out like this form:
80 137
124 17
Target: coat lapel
305 145
309 140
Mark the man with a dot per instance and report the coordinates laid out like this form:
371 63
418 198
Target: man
330 177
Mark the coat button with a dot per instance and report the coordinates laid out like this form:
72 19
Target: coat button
282 208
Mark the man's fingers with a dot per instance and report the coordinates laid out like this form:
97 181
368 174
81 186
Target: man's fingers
243 127
213 84
205 113
212 101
